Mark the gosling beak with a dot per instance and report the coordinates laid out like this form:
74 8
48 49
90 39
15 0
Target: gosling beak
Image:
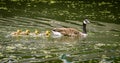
47 33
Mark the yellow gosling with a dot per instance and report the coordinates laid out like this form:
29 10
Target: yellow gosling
25 33
47 33
16 33
37 32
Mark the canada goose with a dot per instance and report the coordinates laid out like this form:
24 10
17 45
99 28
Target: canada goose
16 33
71 31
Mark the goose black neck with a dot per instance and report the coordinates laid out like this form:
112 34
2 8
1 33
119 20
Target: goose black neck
84 28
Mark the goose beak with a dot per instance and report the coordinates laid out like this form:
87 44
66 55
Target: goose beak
87 20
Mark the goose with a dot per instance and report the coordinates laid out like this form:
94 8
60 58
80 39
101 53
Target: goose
71 31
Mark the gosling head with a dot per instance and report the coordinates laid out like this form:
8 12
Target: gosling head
47 33
37 32
27 32
19 31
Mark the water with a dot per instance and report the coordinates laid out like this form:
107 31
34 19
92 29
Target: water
103 39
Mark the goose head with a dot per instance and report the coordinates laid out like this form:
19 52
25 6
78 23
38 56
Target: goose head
86 21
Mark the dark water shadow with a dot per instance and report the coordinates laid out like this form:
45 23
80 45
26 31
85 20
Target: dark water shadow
115 30
97 23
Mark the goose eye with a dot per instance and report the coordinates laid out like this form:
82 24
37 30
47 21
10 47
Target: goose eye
53 30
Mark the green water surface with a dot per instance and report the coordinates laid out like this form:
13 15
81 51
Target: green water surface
103 39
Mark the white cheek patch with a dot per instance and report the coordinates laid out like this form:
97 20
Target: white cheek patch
84 22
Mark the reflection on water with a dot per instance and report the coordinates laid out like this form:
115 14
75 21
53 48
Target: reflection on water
21 49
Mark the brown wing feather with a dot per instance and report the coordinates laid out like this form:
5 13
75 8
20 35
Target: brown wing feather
68 31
